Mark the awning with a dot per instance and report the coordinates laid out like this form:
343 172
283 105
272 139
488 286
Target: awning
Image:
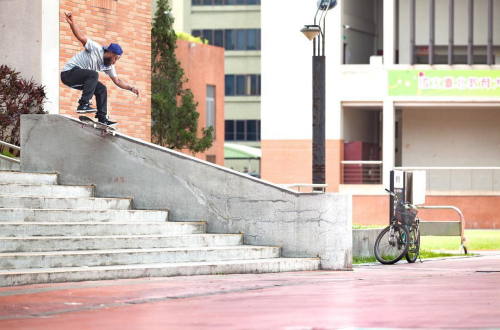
238 151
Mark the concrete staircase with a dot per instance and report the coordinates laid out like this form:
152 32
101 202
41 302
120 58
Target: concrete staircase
56 233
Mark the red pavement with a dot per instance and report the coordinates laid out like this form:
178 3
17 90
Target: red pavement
452 293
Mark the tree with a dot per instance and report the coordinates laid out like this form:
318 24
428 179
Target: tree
18 96
175 119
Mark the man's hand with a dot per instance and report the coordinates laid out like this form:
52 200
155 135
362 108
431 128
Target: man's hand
135 91
76 31
69 18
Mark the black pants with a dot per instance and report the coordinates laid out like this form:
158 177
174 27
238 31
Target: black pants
88 82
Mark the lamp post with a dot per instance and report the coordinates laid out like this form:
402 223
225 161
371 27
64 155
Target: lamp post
316 33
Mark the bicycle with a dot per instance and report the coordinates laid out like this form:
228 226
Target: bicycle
401 237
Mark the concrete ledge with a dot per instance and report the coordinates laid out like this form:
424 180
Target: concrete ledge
304 225
363 241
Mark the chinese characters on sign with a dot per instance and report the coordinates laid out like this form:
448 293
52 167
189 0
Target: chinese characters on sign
444 83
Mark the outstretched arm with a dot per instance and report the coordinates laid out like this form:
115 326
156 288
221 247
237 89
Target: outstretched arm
76 31
120 83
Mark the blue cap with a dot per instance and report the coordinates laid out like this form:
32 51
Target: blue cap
114 48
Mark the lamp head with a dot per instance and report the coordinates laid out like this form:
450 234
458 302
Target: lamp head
326 4
311 31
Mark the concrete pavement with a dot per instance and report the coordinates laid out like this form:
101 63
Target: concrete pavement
451 293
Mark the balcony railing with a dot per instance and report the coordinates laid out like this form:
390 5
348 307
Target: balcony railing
361 172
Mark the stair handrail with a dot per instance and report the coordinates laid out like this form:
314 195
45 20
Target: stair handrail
12 146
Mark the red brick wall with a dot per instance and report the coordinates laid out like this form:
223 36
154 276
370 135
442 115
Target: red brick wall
480 212
204 65
127 22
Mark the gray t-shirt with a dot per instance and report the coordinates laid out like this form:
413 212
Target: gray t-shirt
91 59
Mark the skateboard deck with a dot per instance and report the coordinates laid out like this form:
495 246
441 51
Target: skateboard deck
105 129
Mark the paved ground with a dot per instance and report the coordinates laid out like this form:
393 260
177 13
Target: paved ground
452 293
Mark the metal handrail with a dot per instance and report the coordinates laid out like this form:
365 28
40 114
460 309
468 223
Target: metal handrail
8 145
459 212
307 185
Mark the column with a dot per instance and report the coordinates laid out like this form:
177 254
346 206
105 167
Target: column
389 140
50 54
389 31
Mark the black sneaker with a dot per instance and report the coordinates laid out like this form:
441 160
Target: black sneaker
85 108
108 122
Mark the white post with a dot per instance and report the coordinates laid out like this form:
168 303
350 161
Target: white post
50 54
389 141
389 31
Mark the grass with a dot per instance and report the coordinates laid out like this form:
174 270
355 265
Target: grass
7 153
355 226
424 254
477 239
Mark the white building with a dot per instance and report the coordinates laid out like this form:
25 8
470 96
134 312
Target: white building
385 108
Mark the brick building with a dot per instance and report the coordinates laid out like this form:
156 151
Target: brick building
37 41
127 22
204 67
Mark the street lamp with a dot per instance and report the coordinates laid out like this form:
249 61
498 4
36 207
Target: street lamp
316 32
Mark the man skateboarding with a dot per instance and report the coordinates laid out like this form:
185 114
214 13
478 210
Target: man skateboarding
81 72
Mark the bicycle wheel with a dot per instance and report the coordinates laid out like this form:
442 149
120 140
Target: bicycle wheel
413 244
391 244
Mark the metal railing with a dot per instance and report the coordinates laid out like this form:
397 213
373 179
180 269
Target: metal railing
460 178
5 145
446 227
361 172
316 187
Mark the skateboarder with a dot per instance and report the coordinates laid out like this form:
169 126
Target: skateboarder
81 72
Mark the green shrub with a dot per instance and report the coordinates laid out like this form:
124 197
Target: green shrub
18 96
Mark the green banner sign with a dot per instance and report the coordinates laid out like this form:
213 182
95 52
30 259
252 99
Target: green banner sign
485 83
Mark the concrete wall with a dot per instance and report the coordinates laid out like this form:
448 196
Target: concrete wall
21 41
363 242
451 137
304 225
360 125
364 35
7 165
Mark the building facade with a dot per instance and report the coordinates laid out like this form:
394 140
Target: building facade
235 26
203 65
410 85
37 41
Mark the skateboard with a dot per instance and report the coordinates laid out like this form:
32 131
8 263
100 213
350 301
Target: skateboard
105 129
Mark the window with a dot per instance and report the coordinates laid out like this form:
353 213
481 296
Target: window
236 39
219 38
242 85
242 130
229 129
229 84
224 2
210 107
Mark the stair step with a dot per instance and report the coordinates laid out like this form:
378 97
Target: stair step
18 229
133 256
27 178
69 274
54 243
47 215
46 190
82 203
